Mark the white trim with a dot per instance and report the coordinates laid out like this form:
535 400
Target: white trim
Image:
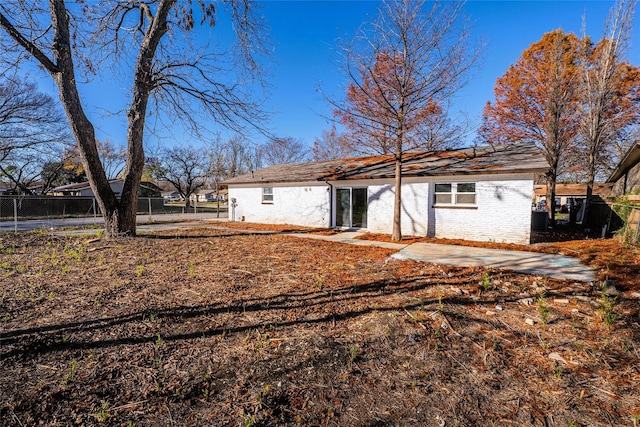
267 195
454 195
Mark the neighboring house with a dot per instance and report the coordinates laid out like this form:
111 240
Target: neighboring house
481 193
626 176
5 189
577 192
83 189
171 196
203 195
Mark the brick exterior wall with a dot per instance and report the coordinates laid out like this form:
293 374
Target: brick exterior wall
502 212
305 204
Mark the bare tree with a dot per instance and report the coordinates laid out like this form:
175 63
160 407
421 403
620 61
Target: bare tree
610 92
402 66
167 72
186 168
32 128
332 145
19 177
237 152
280 151
217 167
113 158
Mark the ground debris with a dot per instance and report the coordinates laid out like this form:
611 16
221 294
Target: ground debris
208 327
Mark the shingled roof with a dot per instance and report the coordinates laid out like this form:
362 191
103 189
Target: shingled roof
503 159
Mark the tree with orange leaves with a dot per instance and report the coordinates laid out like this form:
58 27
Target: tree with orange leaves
401 71
369 124
537 101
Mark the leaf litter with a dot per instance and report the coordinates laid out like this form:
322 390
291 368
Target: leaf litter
216 327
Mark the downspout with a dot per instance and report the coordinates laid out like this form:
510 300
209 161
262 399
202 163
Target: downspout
330 189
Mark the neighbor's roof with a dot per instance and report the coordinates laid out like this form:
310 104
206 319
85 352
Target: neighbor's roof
77 186
502 159
631 158
601 189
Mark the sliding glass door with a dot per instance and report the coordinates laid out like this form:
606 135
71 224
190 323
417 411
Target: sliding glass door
351 207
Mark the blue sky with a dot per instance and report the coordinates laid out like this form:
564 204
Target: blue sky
304 33
304 36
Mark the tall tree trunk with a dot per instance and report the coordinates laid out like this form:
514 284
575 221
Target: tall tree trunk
397 202
396 234
83 130
142 87
551 196
586 220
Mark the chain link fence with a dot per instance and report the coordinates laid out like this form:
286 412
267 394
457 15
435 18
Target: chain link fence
14 209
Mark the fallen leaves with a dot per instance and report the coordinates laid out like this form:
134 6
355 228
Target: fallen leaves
228 328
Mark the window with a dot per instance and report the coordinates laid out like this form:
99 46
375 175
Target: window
267 194
466 193
443 194
461 193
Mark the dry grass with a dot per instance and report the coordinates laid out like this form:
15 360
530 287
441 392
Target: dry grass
214 327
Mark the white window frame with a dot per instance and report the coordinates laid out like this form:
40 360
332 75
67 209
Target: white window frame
455 195
267 195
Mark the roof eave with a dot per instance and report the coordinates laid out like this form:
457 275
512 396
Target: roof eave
530 170
630 159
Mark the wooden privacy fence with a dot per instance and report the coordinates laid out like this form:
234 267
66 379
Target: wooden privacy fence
631 231
604 218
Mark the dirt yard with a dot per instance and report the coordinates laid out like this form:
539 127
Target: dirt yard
221 328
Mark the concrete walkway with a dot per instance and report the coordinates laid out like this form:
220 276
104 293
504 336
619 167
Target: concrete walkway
534 263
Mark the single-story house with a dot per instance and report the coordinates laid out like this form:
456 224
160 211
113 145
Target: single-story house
482 193
5 189
171 196
209 195
203 195
626 176
83 189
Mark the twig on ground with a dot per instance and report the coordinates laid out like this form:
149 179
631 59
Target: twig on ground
128 405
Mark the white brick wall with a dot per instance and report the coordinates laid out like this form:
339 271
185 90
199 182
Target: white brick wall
414 219
503 212
304 204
